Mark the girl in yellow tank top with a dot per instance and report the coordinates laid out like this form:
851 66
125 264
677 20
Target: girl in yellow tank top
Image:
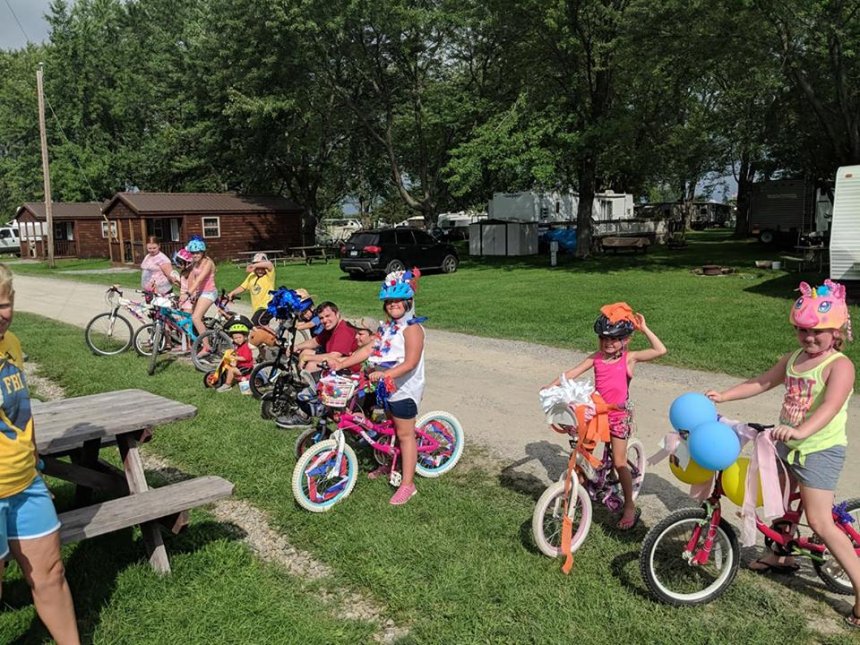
811 435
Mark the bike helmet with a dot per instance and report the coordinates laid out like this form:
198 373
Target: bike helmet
182 257
237 327
196 245
615 321
399 285
821 307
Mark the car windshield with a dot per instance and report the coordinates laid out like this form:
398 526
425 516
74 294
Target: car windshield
363 239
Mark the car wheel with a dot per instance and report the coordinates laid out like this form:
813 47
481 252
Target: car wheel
449 264
395 265
766 237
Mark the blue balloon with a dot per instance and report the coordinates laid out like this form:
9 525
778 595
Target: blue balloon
691 410
714 445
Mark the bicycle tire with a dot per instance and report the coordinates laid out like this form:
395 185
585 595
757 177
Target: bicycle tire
219 342
636 462
446 429
548 518
309 438
143 340
261 379
667 571
100 339
311 490
830 571
156 343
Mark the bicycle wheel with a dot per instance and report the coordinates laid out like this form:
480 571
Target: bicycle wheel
108 334
636 464
319 481
218 341
548 519
445 429
666 564
157 341
830 571
310 437
262 378
143 340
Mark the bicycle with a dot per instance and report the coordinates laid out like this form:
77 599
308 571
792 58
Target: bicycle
693 555
214 334
282 374
586 480
176 326
327 471
111 333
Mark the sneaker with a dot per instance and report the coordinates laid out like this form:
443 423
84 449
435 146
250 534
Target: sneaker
403 495
292 421
224 388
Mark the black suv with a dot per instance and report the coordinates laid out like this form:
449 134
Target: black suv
394 249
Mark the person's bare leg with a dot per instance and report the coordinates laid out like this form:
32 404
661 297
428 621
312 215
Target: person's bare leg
619 461
42 566
200 308
408 449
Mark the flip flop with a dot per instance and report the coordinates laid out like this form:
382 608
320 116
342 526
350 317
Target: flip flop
785 569
636 514
852 620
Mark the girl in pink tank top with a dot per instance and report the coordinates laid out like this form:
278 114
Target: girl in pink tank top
613 369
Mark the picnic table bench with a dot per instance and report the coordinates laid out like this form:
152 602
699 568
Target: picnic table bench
79 428
615 243
308 254
245 257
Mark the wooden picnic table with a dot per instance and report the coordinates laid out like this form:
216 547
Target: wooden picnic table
80 428
273 254
806 254
309 253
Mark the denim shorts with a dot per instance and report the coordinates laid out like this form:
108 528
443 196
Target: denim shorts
403 409
819 470
27 515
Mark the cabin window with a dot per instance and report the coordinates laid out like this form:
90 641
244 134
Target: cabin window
113 233
211 227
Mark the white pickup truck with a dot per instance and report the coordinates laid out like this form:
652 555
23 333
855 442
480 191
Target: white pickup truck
9 240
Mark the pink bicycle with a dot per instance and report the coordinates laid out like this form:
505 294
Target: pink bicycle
692 556
326 472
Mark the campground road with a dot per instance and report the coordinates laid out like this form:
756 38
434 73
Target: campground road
491 386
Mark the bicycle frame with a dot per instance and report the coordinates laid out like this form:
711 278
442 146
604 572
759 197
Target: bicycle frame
791 544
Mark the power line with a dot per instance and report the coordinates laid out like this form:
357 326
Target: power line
20 26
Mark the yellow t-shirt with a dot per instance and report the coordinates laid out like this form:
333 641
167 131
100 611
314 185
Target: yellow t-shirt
17 448
259 288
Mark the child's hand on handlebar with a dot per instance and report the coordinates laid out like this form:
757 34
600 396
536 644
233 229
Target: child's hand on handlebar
335 363
376 376
787 433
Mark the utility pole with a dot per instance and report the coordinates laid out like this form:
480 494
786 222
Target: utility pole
46 170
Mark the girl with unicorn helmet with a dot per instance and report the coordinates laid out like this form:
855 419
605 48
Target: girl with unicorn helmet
397 357
811 437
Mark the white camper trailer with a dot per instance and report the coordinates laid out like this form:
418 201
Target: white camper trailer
845 225
556 207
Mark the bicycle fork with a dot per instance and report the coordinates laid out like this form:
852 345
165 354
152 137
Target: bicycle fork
701 555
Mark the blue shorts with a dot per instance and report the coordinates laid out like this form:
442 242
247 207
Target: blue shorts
27 515
403 409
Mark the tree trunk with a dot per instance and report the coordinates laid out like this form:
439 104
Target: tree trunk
585 208
309 225
745 177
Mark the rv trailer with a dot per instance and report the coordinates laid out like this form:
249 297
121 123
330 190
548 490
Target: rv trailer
845 227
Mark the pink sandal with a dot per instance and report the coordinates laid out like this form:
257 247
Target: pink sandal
403 495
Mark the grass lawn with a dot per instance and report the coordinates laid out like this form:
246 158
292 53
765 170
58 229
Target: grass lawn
736 323
456 565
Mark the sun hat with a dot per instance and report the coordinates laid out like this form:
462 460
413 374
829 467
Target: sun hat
367 323
260 257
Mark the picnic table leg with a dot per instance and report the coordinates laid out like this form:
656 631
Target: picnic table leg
136 478
87 456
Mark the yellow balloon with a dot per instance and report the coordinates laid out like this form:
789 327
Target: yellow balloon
693 474
734 482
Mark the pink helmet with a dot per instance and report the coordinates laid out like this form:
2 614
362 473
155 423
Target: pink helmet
182 255
820 308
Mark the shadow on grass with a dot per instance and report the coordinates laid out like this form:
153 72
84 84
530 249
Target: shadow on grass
552 457
94 566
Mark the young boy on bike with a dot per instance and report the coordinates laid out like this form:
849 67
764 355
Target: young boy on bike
259 282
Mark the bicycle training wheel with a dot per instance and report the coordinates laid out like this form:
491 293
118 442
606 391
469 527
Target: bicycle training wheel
447 431
548 518
108 334
157 341
666 564
323 476
829 570
219 342
144 338
636 464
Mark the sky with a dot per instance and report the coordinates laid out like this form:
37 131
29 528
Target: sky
31 15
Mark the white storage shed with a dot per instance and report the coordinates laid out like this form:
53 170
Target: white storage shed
845 225
499 237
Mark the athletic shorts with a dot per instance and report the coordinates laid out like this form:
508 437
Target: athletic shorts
210 295
819 470
403 409
27 515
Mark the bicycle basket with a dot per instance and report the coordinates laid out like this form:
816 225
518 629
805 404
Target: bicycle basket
336 391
